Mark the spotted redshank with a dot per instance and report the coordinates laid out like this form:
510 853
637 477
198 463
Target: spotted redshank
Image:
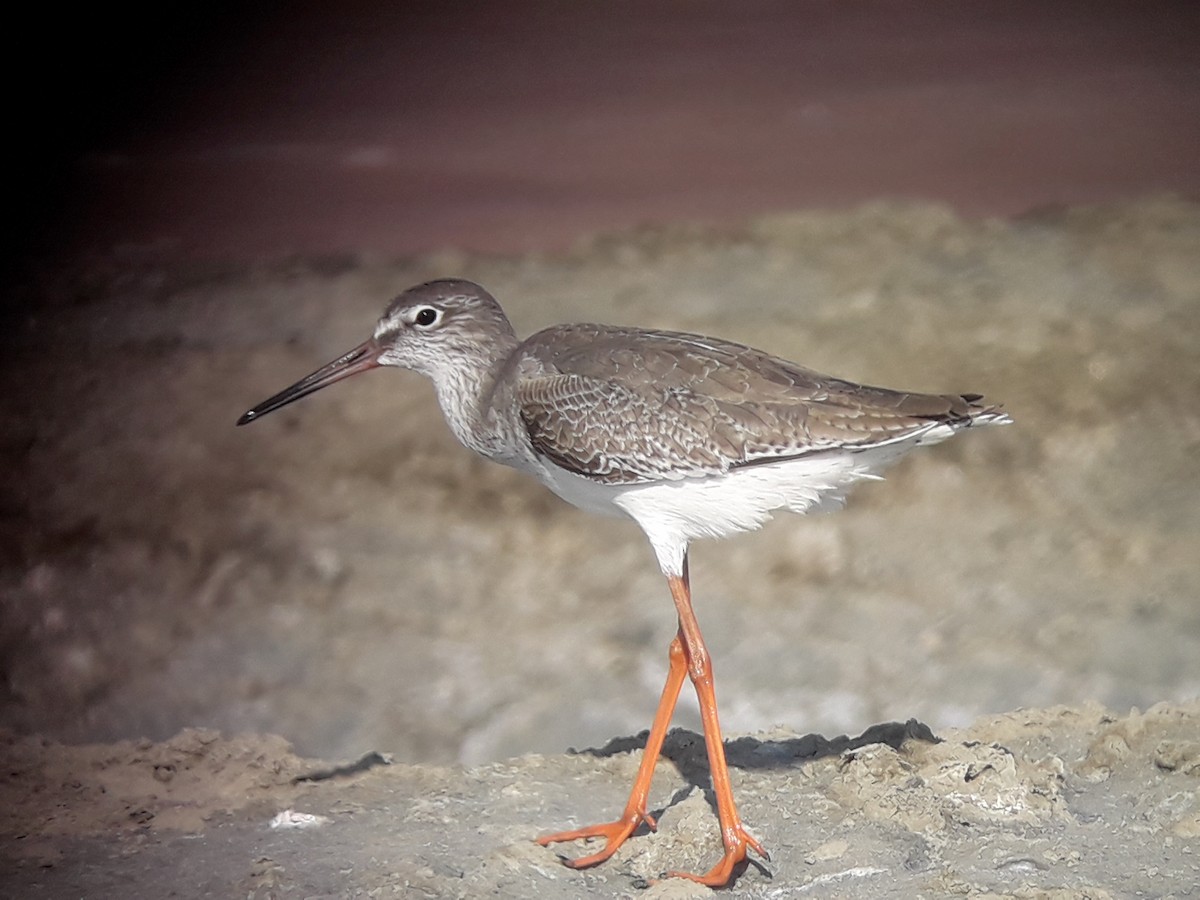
689 436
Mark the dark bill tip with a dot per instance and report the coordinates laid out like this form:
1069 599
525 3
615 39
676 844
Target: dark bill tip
363 357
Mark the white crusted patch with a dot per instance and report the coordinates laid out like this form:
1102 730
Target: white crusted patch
289 818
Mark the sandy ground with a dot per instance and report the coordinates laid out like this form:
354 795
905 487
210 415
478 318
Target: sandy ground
345 576
1059 803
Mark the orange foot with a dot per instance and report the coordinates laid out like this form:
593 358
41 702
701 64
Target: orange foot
737 842
614 834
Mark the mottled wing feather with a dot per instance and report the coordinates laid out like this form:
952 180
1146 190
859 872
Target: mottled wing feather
683 405
608 432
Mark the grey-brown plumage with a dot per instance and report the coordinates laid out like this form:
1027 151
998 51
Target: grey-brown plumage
628 406
688 436
607 417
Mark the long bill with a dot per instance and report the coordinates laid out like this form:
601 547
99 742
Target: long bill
363 357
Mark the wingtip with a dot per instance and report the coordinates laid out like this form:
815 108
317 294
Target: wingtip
994 415
983 412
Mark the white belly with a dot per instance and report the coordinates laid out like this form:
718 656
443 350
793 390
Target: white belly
675 512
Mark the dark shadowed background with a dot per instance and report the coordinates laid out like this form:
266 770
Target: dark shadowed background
508 127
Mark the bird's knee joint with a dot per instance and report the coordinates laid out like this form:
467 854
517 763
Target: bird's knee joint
675 653
699 667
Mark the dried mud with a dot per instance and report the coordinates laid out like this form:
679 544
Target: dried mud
1062 803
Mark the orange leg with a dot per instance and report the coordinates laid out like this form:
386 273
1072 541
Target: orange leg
688 655
635 812
733 834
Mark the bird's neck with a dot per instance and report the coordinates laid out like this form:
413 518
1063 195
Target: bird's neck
466 392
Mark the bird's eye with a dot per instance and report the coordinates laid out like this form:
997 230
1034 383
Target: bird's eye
426 316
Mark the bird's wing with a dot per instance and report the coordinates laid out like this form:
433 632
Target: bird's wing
628 406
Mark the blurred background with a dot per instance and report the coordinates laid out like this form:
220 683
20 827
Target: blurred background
394 128
994 196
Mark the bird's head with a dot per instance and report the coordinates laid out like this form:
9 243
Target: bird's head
434 328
